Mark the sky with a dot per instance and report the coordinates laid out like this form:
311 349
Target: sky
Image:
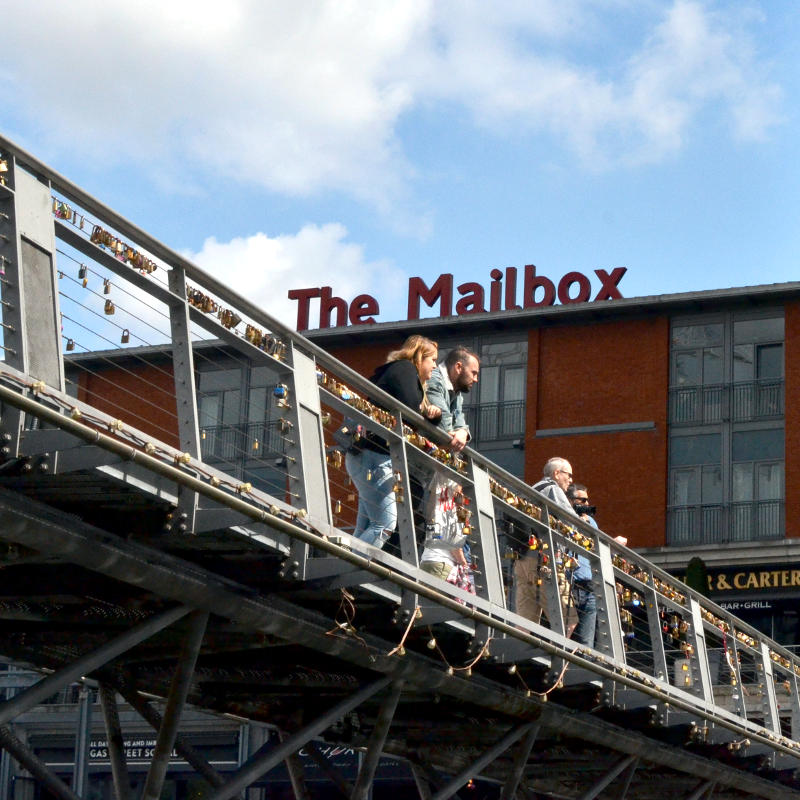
357 144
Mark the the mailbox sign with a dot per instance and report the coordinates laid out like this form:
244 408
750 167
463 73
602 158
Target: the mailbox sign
466 298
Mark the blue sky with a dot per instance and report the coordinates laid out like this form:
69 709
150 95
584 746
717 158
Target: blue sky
355 144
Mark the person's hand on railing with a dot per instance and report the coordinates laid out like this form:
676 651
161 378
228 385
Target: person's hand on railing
431 412
458 440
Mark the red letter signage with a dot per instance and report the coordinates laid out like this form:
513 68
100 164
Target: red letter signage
574 287
566 282
305 296
532 283
442 291
609 291
361 307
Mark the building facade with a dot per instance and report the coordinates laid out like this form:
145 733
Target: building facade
672 410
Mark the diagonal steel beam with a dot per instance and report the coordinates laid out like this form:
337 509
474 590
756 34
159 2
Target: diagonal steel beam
376 742
518 767
602 782
490 755
705 789
297 775
427 778
178 692
330 772
116 746
184 749
34 765
88 663
623 789
80 772
267 756
421 780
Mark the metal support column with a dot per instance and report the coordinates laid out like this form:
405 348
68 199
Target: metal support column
182 747
116 746
518 767
5 774
602 782
483 521
80 773
86 664
331 773
266 757
34 765
406 530
307 469
296 774
769 700
179 689
421 780
252 737
704 790
185 395
30 311
623 789
475 769
609 631
699 657
376 742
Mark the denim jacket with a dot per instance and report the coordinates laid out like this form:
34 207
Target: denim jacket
439 391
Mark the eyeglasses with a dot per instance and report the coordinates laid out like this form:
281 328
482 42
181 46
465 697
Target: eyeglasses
564 472
582 501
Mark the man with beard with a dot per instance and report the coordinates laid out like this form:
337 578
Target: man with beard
446 553
446 387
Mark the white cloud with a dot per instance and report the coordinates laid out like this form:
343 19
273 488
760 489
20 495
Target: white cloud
306 97
263 269
637 103
292 96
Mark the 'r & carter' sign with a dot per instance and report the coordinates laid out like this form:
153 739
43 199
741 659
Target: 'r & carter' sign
538 290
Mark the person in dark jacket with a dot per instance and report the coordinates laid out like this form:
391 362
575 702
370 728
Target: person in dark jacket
370 468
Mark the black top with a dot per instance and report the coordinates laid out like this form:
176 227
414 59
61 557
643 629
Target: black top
401 380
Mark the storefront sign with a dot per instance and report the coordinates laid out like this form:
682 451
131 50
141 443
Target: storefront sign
135 750
764 579
736 606
538 290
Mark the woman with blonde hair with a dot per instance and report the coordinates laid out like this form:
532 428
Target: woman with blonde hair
370 467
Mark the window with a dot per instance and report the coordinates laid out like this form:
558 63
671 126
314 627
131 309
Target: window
236 415
726 429
219 401
501 409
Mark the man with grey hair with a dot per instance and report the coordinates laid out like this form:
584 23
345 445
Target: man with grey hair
529 592
557 479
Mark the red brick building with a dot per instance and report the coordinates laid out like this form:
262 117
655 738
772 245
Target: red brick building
671 410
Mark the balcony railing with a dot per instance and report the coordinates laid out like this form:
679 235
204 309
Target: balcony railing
233 443
735 402
730 522
489 421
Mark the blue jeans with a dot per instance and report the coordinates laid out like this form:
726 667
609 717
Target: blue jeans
586 606
373 476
